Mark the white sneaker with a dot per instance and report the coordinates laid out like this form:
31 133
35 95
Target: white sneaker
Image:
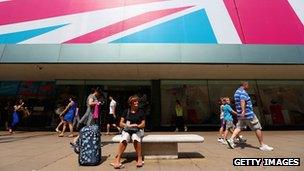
220 139
224 142
230 143
266 148
186 129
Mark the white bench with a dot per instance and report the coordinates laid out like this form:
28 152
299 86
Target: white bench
164 146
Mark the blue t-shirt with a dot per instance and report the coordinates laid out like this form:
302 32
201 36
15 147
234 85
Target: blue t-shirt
227 113
241 94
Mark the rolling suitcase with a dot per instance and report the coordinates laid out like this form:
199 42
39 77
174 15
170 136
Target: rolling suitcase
89 145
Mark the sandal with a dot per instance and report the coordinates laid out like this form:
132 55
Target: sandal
120 166
60 135
71 135
140 165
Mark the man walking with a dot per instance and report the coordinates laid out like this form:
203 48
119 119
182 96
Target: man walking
111 117
246 117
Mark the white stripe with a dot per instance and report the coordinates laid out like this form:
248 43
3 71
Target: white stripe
298 6
221 22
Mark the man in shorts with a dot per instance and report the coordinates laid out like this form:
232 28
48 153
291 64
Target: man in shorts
111 117
246 117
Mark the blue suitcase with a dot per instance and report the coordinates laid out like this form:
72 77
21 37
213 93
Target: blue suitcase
89 145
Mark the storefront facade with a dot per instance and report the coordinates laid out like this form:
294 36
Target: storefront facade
195 51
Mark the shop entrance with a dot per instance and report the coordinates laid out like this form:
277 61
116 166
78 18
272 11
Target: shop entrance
121 91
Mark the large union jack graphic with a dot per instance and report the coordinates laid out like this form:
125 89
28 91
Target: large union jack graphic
123 21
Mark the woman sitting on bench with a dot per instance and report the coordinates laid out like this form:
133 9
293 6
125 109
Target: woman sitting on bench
133 122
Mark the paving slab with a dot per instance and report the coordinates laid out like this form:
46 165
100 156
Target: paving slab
45 151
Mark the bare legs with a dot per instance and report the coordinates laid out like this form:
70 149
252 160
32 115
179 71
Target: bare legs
259 135
64 128
235 133
137 147
221 132
59 125
122 147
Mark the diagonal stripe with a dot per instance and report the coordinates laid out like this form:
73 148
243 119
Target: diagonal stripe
26 10
124 25
192 28
24 35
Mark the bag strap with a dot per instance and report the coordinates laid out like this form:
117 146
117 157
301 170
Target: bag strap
128 114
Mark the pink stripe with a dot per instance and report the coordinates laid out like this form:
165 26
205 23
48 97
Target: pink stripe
230 5
267 22
26 10
124 25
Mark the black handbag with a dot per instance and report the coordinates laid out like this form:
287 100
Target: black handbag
131 130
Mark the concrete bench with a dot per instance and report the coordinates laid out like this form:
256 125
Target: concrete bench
164 146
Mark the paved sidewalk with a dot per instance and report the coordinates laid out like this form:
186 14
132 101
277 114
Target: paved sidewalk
28 151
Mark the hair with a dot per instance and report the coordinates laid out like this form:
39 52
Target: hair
178 102
73 97
132 99
243 83
97 90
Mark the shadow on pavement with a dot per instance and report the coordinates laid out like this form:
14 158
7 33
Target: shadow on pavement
194 155
245 145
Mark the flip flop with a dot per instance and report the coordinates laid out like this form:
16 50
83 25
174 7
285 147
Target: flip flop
119 167
142 164
71 135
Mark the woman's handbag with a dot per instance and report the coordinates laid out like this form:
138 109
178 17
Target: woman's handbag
130 130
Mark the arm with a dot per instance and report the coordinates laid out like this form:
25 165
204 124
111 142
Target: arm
114 110
67 108
142 124
92 102
19 106
122 123
243 106
76 112
232 111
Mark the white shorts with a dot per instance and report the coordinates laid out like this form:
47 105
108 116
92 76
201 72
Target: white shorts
254 123
135 137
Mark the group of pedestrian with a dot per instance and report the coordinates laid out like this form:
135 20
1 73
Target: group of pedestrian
131 124
245 118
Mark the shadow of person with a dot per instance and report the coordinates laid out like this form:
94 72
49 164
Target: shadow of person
104 158
245 145
129 157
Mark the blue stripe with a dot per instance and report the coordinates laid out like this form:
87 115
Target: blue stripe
191 28
17 37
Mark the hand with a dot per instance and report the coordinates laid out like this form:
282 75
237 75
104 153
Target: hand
243 114
133 125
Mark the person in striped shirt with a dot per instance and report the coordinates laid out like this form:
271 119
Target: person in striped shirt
246 117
